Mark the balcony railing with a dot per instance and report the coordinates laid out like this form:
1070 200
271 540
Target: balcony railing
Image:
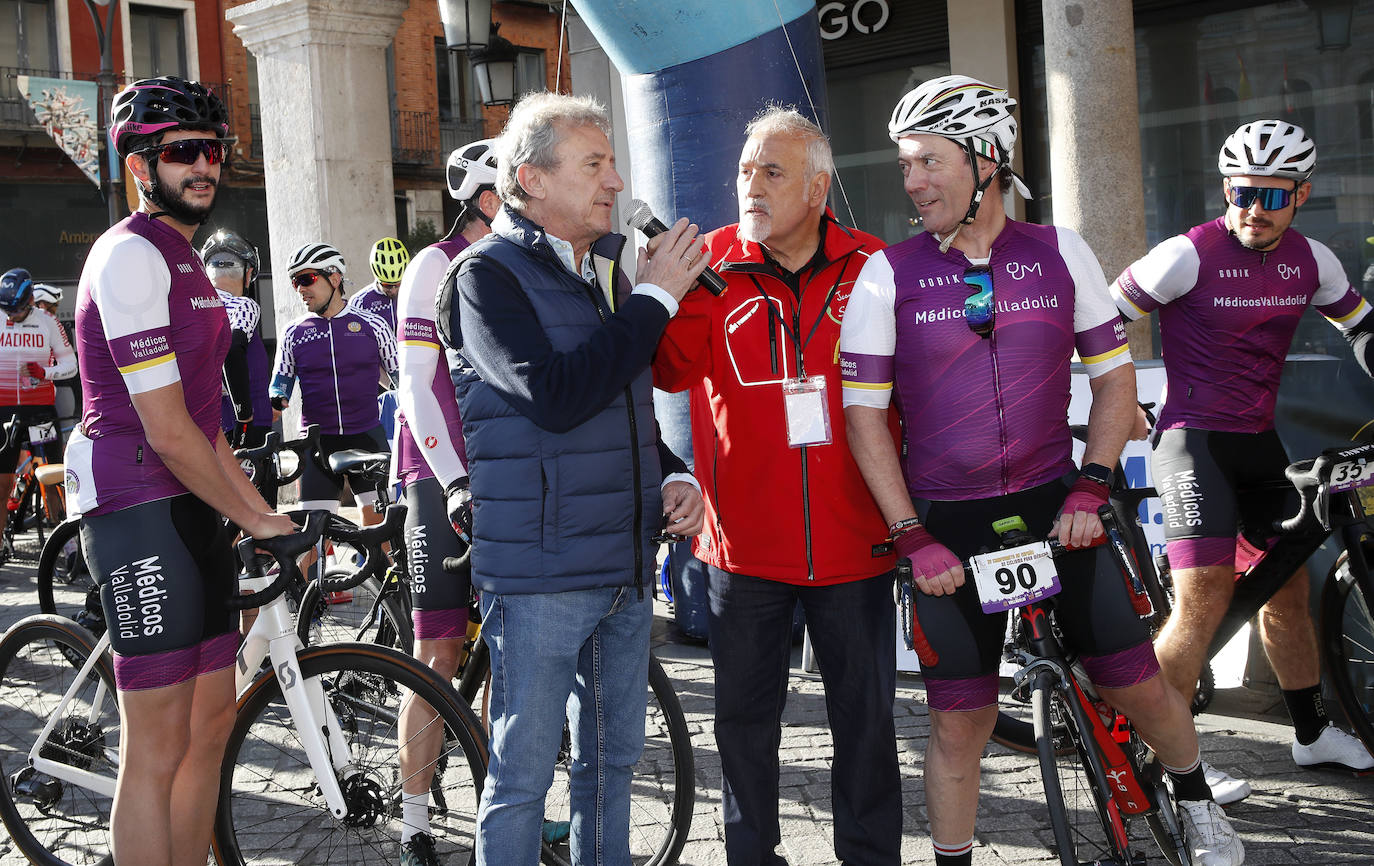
413 138
453 134
16 115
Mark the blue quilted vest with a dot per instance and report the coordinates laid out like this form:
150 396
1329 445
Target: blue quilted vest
555 512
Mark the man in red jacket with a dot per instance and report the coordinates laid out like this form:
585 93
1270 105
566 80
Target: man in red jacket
788 516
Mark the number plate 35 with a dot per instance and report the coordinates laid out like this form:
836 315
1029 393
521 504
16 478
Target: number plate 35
1014 577
1355 473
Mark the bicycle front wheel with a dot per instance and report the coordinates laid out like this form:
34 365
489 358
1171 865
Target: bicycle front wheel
662 791
54 820
1348 646
271 810
1085 823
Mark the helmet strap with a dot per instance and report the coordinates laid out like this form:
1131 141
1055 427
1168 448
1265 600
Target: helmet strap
980 187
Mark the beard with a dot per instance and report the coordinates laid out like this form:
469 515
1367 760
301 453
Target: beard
174 203
756 227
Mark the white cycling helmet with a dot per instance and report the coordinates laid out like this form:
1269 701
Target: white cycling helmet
315 257
971 113
46 293
470 168
1269 148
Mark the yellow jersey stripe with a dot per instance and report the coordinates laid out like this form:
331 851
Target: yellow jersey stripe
1107 356
144 365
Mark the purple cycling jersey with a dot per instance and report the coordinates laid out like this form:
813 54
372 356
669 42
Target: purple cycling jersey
983 416
1227 315
339 361
376 302
429 437
146 317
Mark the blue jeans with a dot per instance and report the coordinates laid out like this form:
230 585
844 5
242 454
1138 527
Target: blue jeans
854 634
578 656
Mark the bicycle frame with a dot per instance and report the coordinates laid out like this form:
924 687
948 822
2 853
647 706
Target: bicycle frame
272 635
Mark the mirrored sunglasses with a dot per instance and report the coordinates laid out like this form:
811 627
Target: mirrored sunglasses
980 307
1269 197
187 150
306 278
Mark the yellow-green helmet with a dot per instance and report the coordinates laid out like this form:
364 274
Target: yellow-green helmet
389 258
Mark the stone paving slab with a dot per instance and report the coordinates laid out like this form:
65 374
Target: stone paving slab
1293 816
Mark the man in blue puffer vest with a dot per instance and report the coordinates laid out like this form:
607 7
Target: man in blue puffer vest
567 473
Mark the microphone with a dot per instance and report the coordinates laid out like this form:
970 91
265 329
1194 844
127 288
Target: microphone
640 217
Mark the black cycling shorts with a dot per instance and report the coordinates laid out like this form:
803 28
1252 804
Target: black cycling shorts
1093 605
1198 473
166 570
26 417
440 599
318 485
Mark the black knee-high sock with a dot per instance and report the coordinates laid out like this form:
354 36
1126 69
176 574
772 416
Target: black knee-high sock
1308 712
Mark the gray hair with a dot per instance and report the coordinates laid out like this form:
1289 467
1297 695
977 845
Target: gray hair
786 120
532 135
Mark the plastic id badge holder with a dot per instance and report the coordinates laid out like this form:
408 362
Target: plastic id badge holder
808 412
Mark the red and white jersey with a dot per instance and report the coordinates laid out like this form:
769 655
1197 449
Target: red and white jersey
39 339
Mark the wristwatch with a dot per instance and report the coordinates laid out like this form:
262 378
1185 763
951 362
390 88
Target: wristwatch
1096 472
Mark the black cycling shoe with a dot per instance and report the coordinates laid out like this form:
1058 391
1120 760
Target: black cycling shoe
419 851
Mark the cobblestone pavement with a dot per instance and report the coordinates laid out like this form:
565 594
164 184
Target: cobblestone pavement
1292 817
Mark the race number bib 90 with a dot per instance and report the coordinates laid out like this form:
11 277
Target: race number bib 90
1014 577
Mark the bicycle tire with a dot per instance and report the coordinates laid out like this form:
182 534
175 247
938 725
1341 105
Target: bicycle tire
1348 646
270 811
65 584
324 620
55 823
1084 822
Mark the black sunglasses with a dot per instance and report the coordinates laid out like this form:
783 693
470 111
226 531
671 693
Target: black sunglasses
187 151
1269 197
980 308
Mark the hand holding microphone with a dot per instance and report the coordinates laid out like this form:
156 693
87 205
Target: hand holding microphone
679 253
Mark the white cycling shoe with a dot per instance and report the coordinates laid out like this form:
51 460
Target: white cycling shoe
1226 789
1333 750
1210 837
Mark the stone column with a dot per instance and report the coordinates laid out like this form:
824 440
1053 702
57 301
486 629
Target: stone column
326 128
1095 133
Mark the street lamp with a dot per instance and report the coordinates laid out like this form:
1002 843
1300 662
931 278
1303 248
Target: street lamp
105 80
1333 23
467 23
494 67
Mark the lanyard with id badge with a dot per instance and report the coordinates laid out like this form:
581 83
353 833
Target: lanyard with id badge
805 402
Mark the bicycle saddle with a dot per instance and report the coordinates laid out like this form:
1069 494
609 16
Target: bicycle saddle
355 461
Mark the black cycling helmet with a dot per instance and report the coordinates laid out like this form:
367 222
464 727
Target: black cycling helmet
226 241
16 290
152 105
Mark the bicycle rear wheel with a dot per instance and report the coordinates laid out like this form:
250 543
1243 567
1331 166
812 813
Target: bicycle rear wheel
339 617
1086 826
662 791
53 821
271 810
1348 646
65 585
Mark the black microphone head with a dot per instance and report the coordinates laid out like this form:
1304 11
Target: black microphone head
640 216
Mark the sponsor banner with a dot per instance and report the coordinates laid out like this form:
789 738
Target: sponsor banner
67 110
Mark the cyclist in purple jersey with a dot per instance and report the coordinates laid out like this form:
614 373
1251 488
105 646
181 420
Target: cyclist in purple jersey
388 259
971 326
231 263
151 473
1229 294
333 352
430 458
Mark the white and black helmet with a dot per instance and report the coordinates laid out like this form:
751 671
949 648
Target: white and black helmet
959 108
315 257
1268 148
470 168
44 293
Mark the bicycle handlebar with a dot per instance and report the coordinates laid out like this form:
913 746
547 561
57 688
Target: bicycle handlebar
307 447
284 549
1312 479
369 540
